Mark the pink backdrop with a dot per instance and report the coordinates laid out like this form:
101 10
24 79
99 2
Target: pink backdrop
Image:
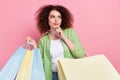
96 22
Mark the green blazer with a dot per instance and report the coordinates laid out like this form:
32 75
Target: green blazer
44 45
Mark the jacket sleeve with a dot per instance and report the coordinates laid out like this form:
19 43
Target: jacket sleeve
78 51
40 47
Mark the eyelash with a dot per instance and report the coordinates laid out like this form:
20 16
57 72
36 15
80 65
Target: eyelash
54 17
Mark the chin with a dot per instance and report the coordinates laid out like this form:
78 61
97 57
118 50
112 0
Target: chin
57 26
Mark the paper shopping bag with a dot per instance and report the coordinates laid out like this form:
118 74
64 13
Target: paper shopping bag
11 68
90 68
24 72
37 66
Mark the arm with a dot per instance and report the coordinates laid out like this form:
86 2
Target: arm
61 35
40 47
78 51
69 43
72 41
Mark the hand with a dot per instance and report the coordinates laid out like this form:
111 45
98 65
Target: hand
59 32
61 35
31 42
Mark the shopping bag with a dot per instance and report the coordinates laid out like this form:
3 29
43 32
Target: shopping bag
96 67
37 66
24 72
31 67
11 68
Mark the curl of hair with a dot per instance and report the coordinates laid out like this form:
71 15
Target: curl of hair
43 13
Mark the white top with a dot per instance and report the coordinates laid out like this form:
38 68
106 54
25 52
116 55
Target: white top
56 52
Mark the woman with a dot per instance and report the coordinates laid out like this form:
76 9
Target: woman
59 39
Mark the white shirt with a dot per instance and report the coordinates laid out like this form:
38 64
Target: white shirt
56 52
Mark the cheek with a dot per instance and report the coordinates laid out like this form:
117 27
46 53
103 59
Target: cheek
60 21
50 23
51 20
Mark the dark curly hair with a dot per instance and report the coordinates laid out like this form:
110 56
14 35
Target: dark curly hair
43 13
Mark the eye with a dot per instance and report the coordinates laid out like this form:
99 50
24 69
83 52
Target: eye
52 16
59 17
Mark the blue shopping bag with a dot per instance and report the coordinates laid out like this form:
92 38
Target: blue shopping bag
37 66
11 68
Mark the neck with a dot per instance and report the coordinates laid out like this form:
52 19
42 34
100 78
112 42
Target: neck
53 35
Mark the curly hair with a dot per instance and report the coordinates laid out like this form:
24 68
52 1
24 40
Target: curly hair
43 13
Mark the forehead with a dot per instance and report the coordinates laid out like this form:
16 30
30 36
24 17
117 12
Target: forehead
55 12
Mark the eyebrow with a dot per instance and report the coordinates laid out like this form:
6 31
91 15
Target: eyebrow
54 15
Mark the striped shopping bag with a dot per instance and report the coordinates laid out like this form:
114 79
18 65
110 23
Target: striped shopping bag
11 68
31 67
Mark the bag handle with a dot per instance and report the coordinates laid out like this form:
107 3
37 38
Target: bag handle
28 44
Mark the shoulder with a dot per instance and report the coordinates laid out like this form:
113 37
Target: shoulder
44 38
69 31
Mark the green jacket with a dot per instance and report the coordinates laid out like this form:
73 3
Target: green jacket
44 45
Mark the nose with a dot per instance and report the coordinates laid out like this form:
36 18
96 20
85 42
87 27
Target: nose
56 19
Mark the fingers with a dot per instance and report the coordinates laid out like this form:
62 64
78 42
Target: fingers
58 30
31 42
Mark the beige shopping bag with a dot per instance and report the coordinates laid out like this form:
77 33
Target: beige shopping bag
24 72
96 67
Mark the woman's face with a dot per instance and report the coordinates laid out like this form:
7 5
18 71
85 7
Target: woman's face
54 19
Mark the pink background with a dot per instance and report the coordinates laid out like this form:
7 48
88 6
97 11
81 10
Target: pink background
97 22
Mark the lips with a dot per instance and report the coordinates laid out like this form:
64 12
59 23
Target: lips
55 24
